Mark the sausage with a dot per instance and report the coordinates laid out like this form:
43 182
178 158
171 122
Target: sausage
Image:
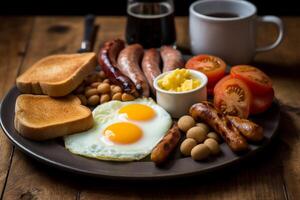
150 66
107 59
163 149
171 57
128 63
250 130
206 112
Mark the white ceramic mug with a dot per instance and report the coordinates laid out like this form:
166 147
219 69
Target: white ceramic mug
231 38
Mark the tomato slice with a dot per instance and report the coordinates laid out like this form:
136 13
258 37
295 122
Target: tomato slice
261 103
258 81
233 97
212 66
220 82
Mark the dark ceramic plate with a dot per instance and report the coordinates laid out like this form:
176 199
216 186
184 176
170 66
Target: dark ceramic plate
53 152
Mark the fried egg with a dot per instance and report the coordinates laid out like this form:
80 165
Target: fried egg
123 131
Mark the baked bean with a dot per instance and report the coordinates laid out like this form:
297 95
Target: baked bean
200 152
212 145
127 97
112 87
197 133
185 123
93 100
204 126
95 84
82 98
104 98
106 80
214 136
103 88
117 96
90 92
116 89
187 145
102 74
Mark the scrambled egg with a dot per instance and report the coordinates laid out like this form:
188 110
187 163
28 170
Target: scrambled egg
179 80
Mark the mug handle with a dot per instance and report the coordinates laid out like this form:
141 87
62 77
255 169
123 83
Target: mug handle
278 22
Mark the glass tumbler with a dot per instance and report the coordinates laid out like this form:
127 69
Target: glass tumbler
150 23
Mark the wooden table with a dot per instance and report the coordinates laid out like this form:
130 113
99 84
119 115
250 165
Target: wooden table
273 174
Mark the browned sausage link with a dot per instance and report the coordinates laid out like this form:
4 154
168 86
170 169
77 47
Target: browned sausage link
107 59
129 64
163 149
250 130
150 66
206 112
171 57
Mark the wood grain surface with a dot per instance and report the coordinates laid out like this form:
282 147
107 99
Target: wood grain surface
273 174
14 39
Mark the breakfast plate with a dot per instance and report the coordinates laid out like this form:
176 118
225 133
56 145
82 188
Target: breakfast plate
52 152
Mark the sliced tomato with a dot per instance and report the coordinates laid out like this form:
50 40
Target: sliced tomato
260 103
233 97
220 82
212 66
258 81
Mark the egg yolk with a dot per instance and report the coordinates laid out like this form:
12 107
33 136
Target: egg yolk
138 112
123 133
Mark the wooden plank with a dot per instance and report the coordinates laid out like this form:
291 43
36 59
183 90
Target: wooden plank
289 133
27 178
255 179
283 65
14 36
287 88
53 35
109 28
284 56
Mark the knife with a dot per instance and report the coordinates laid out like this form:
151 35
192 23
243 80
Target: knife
88 35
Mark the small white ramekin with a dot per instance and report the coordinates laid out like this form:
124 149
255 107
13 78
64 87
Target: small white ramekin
178 103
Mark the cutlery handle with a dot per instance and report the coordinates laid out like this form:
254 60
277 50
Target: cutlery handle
88 32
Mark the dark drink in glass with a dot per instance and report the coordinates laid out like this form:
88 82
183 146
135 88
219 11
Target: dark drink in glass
150 23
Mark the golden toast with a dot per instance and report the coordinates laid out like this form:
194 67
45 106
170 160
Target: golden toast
40 117
56 75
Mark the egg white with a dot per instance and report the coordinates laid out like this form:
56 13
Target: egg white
94 144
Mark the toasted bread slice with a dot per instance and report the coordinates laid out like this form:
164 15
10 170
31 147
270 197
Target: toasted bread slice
40 117
57 75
